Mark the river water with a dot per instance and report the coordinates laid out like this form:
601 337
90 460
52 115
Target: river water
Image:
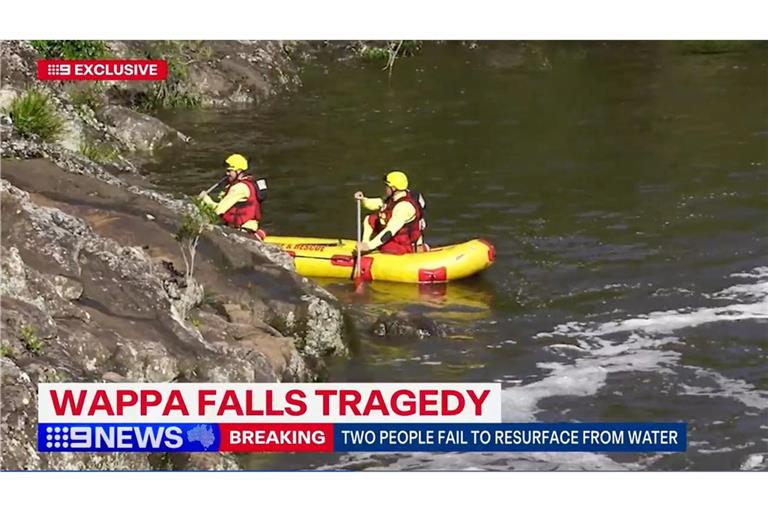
625 188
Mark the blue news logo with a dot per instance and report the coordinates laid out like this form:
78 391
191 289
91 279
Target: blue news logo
135 437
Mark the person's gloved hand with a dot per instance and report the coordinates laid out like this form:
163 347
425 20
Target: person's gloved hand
363 247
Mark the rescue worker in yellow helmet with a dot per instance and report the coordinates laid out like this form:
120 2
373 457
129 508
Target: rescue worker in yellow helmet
239 205
398 225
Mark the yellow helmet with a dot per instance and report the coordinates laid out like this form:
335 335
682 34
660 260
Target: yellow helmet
237 162
397 180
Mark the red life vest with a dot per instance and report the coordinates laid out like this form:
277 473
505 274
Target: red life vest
243 211
407 236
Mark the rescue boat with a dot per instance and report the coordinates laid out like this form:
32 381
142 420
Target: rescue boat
329 257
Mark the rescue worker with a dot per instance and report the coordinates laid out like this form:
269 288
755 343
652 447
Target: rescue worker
239 205
398 226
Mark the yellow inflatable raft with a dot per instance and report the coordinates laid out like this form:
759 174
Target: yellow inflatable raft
327 257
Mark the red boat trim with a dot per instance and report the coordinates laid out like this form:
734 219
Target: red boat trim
342 260
366 265
433 275
491 250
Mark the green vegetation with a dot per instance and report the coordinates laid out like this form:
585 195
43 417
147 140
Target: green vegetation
6 350
206 52
391 52
374 53
33 112
409 48
89 95
30 339
99 152
172 92
58 49
191 227
195 322
52 375
393 48
188 234
206 211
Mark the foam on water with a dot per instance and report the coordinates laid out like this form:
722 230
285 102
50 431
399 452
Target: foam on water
586 375
638 344
756 462
728 388
660 322
756 290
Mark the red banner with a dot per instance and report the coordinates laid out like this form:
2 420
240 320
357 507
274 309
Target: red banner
102 69
276 437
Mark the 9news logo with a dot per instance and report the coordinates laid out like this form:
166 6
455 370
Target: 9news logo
136 437
58 69
60 437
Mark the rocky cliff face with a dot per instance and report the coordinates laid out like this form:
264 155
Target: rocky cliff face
90 285
90 292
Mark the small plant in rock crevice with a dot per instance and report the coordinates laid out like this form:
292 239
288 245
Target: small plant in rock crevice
188 236
33 113
30 339
87 96
99 152
191 228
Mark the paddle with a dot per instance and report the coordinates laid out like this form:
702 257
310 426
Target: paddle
358 274
213 187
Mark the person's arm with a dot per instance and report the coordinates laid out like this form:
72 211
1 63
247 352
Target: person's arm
238 192
403 213
369 203
207 200
372 203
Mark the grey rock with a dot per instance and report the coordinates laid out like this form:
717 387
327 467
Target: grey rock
68 288
399 325
140 132
112 377
125 317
